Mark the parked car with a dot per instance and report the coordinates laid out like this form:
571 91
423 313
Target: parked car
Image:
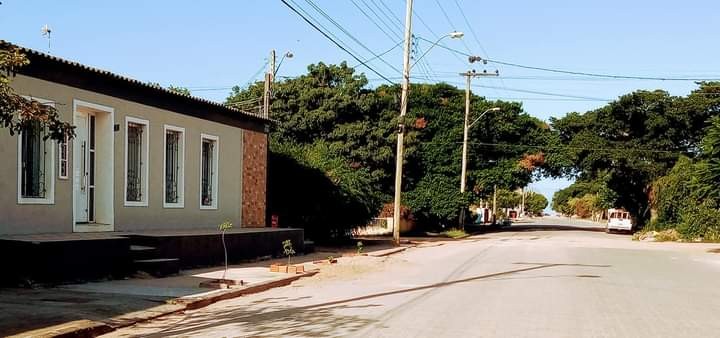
619 219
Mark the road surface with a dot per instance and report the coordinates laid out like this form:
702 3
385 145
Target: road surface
532 280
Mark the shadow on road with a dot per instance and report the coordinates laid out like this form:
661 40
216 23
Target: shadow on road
325 322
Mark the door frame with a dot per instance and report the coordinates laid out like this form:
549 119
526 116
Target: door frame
105 135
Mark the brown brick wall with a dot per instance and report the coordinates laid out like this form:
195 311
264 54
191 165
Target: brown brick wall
254 178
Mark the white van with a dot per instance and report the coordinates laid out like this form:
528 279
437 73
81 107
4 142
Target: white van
619 219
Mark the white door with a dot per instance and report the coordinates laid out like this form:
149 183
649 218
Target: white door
81 168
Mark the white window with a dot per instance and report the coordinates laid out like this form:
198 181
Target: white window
137 143
209 145
63 160
36 168
174 167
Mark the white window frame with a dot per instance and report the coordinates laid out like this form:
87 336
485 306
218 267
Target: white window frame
49 167
181 175
146 162
64 147
215 180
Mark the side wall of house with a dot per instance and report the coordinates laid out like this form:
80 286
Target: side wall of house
254 178
58 217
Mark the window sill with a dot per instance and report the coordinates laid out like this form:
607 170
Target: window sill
208 207
135 204
46 201
173 205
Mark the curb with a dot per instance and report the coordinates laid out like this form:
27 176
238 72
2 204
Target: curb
388 252
88 328
77 328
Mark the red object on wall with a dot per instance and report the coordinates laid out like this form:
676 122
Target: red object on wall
274 221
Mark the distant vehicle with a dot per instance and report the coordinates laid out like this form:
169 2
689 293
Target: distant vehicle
619 219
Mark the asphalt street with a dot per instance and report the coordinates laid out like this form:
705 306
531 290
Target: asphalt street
551 278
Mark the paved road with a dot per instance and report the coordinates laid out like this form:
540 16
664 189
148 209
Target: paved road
529 281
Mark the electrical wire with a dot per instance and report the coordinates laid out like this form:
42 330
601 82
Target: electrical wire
364 64
536 146
373 21
561 71
342 29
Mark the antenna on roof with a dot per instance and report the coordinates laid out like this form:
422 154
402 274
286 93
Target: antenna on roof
46 33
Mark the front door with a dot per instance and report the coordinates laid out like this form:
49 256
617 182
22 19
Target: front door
84 168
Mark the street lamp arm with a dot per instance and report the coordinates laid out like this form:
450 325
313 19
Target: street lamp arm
454 35
481 115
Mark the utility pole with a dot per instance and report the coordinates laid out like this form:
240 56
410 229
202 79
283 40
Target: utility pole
495 203
401 126
466 127
269 77
522 206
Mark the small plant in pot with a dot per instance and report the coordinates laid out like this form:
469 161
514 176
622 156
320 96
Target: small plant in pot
360 248
289 252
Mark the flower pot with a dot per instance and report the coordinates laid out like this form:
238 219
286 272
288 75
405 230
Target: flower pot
274 268
283 268
299 268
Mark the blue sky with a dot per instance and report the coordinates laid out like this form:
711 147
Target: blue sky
210 46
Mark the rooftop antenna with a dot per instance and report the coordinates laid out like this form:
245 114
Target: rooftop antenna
46 33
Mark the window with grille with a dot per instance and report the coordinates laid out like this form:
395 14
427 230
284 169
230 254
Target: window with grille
63 163
35 161
208 166
33 154
136 162
174 166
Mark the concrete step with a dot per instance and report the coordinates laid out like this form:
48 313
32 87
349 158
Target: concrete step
158 267
309 247
141 252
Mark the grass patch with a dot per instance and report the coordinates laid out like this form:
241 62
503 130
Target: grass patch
455 233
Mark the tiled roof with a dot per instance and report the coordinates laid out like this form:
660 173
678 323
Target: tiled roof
33 52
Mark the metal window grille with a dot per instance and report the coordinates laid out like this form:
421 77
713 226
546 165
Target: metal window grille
134 162
208 171
33 155
172 166
63 149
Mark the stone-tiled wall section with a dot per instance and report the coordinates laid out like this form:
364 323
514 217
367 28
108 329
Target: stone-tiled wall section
254 178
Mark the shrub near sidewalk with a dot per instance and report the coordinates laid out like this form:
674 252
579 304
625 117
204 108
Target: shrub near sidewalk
455 233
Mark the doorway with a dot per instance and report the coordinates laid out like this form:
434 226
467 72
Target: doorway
93 167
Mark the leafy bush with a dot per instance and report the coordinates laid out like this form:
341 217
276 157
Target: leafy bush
700 222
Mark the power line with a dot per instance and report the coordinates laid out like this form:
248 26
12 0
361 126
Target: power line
383 53
373 21
391 29
536 146
450 22
335 42
467 22
561 71
324 14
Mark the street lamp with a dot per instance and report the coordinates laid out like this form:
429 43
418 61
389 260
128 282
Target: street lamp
288 55
463 172
403 110
452 35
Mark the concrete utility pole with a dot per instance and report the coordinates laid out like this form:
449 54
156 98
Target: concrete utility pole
522 206
466 127
269 77
401 126
494 203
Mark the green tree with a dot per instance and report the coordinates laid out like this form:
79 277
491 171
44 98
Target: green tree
635 140
17 112
535 203
179 90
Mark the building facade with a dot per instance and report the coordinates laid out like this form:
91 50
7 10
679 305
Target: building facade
143 157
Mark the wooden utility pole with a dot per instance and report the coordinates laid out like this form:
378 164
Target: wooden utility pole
401 126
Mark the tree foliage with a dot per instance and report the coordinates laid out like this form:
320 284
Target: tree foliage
634 140
535 203
17 112
330 113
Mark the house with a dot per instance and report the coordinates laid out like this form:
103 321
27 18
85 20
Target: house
143 157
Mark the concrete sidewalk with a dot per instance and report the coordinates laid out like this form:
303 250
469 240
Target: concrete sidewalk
94 308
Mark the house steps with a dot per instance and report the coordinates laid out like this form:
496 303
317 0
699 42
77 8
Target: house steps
145 259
